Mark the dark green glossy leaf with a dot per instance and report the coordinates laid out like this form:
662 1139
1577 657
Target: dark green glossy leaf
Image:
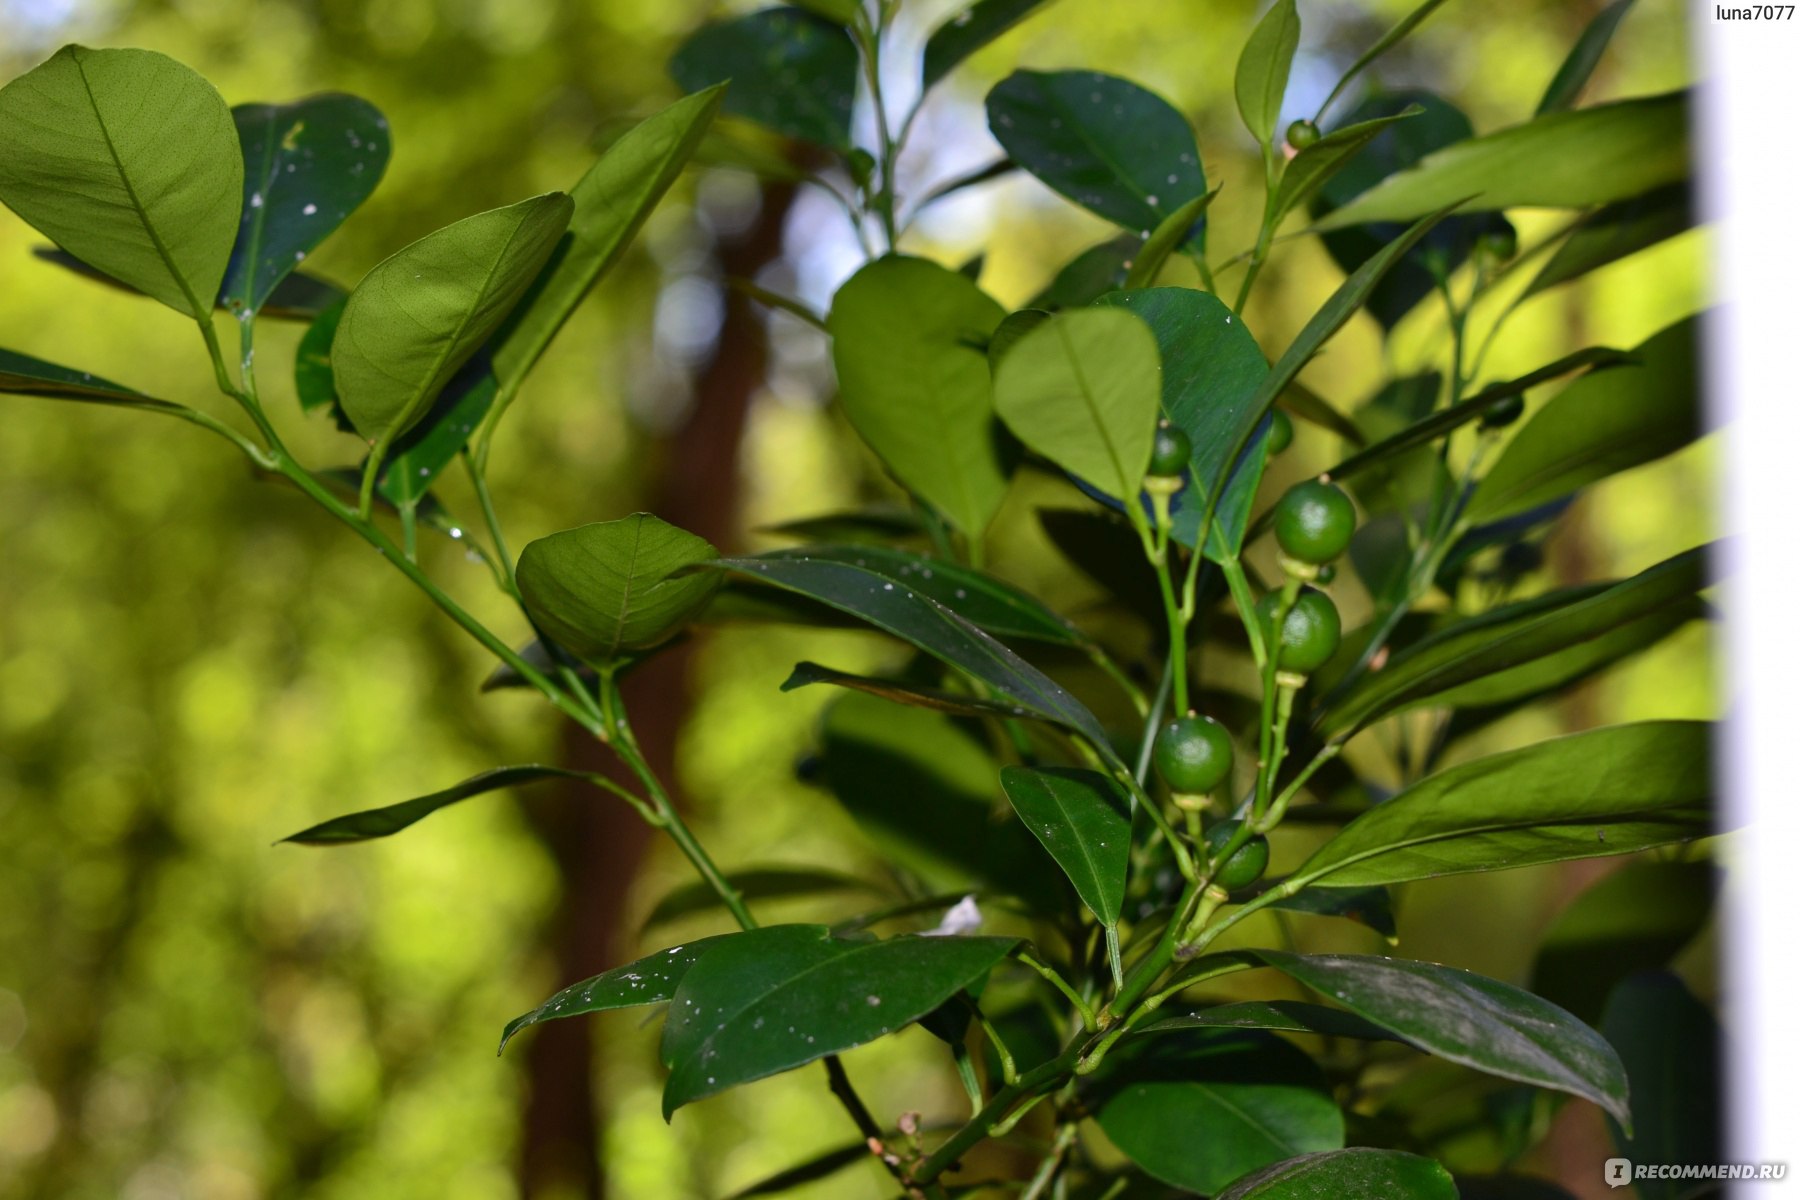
865 526
773 999
1635 919
382 822
1671 1046
420 315
419 457
1466 1018
307 166
1104 142
1615 232
1008 332
1559 160
28 376
1584 56
1359 1173
970 30
1599 425
614 586
1371 906
298 297
1083 390
1309 169
612 201
995 170
1168 236
936 699
756 883
1081 818
127 160
1108 552
1287 1016
1495 656
909 341
534 653
1607 791
314 383
789 70
1090 274
1262 69
914 617
649 980
1212 369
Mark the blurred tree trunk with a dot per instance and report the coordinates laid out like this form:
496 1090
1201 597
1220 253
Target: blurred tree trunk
599 846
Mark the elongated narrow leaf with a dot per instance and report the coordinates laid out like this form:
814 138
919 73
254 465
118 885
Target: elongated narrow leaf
970 30
773 999
1164 240
909 341
1081 818
1262 69
1607 791
1287 1016
1309 169
757 883
936 699
997 169
873 526
649 980
28 376
382 822
916 618
1584 56
1673 1049
1314 409
1615 232
1466 1018
1370 906
1600 425
790 70
604 589
420 315
1457 415
1387 41
1212 369
423 452
612 202
1104 142
1359 1173
298 297
1559 160
1083 390
129 161
820 1166
307 166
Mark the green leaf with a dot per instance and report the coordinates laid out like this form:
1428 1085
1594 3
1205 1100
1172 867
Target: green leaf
1466 1018
1309 406
756 883
936 699
650 980
1287 1016
421 455
612 201
1081 818
1370 906
908 338
1359 1173
1262 69
1215 1104
841 11
1506 652
873 526
28 376
421 314
298 297
314 382
603 589
1212 369
1607 791
127 160
1383 44
913 616
1671 1046
970 30
1104 142
1307 172
307 166
1565 87
1008 332
1083 390
789 70
1615 232
1635 919
812 1170
1600 425
1559 160
774 999
1164 240
382 822
1090 274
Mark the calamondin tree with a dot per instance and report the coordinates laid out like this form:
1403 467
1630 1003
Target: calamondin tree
1116 861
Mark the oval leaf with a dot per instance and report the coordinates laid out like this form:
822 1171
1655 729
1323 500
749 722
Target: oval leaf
604 589
1083 389
1262 69
129 161
1287 1016
650 980
381 822
1081 818
1359 1173
420 315
789 70
1584 56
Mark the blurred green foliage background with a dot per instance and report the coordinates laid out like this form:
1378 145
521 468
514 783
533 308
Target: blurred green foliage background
194 663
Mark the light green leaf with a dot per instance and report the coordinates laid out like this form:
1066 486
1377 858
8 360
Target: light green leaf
604 589
970 30
908 338
790 70
1559 160
418 316
129 161
1164 240
382 822
1262 69
1584 56
650 980
1081 818
1359 1173
1083 389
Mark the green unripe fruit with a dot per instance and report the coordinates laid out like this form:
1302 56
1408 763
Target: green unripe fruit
1302 134
1170 452
1314 521
1309 636
1244 867
1281 432
1193 755
1503 412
